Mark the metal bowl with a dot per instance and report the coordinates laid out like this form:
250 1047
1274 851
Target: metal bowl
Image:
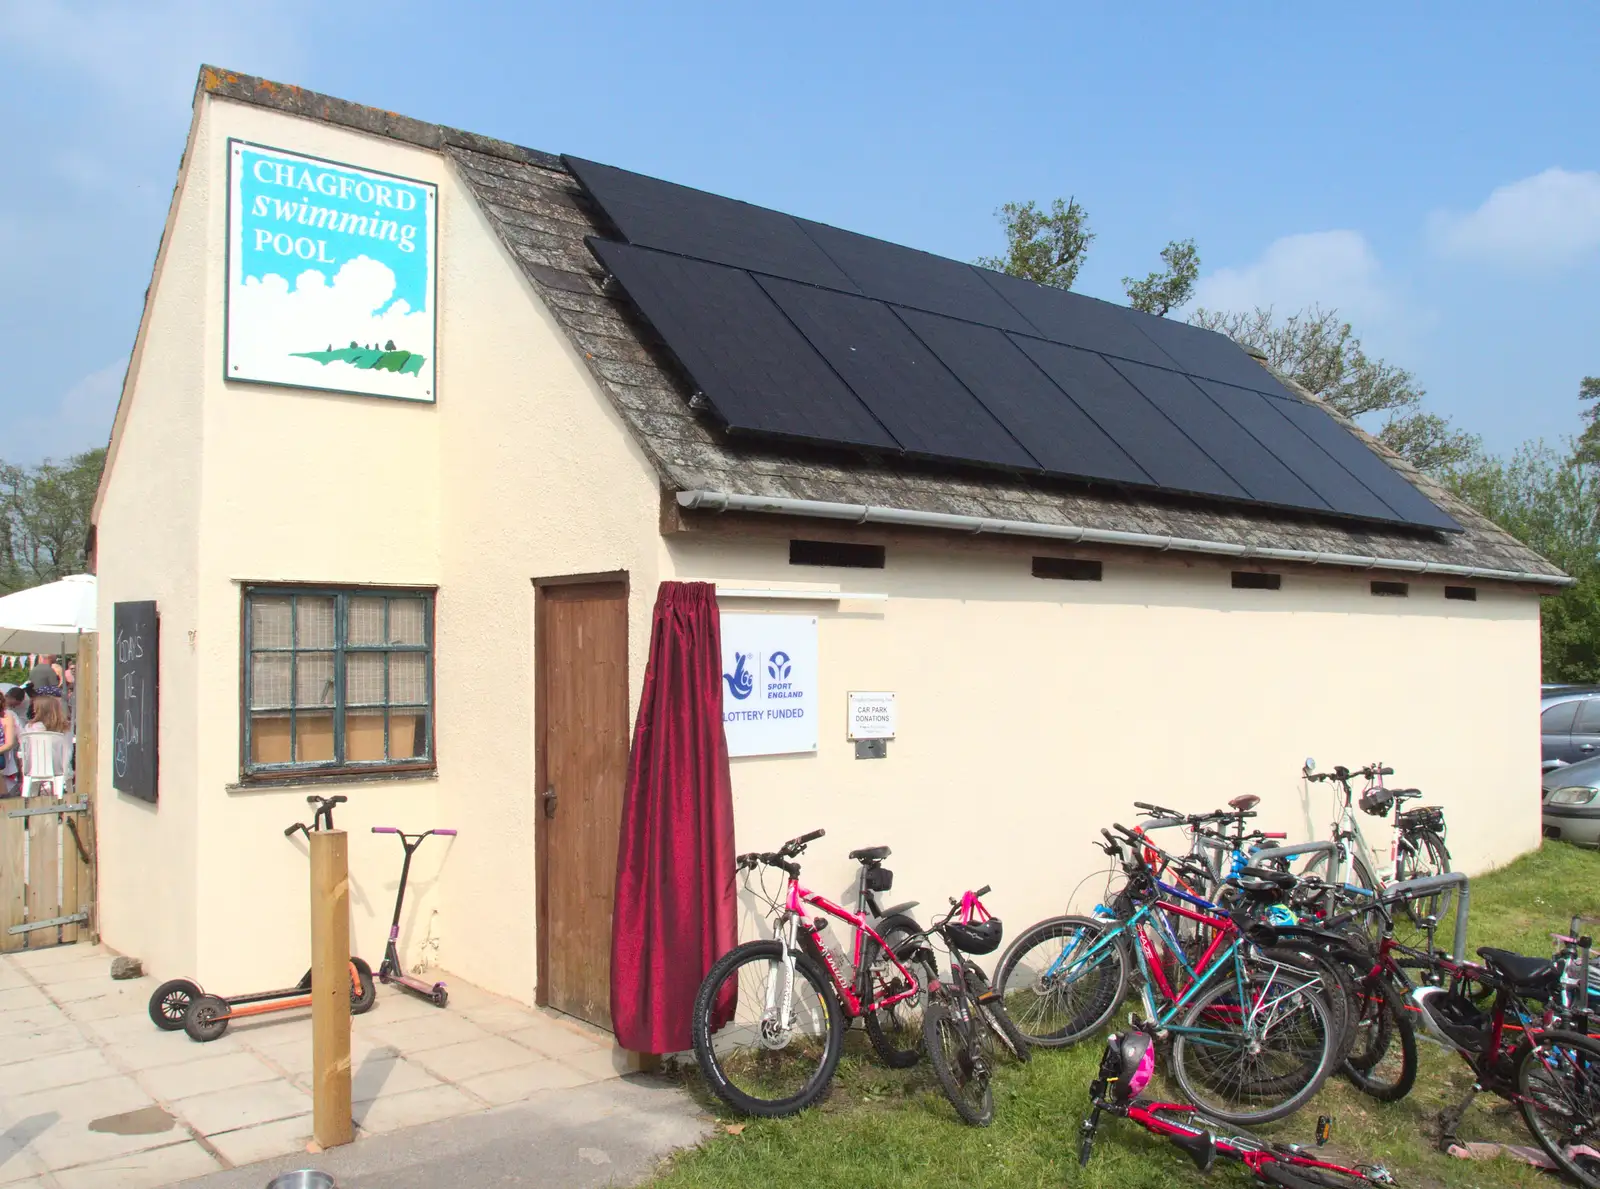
303 1178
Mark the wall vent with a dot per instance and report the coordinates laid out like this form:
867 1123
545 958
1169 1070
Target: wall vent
836 553
1251 580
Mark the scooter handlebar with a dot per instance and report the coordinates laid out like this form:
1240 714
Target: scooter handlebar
446 833
385 830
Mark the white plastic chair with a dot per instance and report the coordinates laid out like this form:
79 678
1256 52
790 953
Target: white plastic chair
44 756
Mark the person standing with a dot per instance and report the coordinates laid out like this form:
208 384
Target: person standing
10 740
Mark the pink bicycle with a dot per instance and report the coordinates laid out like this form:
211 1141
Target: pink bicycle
770 1016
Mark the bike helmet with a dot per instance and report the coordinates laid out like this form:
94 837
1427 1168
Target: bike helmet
1376 801
975 937
1136 1063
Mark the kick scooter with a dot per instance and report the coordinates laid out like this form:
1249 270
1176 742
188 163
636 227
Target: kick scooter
180 1003
389 970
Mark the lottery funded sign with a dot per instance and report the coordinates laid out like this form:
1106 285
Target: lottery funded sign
769 684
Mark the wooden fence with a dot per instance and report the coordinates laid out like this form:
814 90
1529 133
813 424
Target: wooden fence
46 872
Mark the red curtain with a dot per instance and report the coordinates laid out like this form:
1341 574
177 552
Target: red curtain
675 904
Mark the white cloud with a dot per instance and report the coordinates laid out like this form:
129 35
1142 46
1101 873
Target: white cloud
1333 269
1547 220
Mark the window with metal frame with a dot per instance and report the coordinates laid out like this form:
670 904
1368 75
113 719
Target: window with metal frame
337 680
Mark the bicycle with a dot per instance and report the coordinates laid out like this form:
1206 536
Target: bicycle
964 1016
1252 1036
1125 1070
780 1057
1417 848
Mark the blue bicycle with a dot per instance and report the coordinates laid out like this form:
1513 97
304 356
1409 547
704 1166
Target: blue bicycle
1251 1032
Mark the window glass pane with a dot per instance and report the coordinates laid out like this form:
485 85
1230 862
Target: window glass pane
269 680
1558 719
313 679
1588 717
269 739
408 734
407 618
365 623
363 736
408 674
313 743
269 622
363 679
313 621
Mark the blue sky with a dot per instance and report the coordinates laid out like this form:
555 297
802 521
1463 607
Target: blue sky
1431 170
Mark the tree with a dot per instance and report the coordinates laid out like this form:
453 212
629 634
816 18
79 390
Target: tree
1045 247
1321 352
44 518
1589 440
1164 291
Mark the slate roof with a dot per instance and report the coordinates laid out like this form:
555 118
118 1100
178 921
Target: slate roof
542 215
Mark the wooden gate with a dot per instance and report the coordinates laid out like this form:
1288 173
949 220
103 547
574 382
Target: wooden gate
45 872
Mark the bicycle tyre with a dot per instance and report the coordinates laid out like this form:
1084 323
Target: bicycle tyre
946 1039
1280 1099
995 1016
1388 1024
1304 1176
896 1031
1028 1008
1431 857
711 1068
1338 987
1585 1062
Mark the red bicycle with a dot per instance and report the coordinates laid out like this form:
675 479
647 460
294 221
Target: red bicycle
1125 1070
769 1018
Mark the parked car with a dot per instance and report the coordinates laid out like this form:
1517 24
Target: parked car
1572 802
1569 723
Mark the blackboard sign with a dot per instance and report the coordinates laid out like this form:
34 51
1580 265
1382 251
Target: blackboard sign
135 700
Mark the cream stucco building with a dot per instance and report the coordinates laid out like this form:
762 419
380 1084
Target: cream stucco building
562 473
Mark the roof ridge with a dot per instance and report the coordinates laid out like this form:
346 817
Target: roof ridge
312 105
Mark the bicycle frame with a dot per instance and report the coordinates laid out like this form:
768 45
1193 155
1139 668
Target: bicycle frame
854 1004
1248 1152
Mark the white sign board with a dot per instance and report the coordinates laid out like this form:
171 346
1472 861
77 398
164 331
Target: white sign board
769 684
871 716
330 275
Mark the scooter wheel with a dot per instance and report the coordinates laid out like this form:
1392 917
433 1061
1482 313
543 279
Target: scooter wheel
170 1002
207 1018
365 992
440 996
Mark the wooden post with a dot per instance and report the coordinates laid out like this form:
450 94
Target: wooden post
331 1122
87 713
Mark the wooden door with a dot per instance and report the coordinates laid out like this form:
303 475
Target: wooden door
581 662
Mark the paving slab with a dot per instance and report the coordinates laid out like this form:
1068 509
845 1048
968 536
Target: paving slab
458 1062
155 1048
30 1046
513 1085
243 1106
428 1032
58 1069
554 1040
23 997
141 1170
248 1145
410 1109
383 1078
206 1075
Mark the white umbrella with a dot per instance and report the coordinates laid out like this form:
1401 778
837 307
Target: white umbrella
48 618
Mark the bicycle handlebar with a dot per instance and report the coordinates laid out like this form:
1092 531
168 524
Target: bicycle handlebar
385 830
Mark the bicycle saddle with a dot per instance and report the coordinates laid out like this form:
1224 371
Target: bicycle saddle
1202 1148
871 854
1244 804
1405 794
1518 969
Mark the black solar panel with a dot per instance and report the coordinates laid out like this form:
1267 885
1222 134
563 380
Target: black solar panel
800 330
1161 449
921 280
755 368
1059 434
657 214
1375 474
1246 461
1263 417
897 377
1078 321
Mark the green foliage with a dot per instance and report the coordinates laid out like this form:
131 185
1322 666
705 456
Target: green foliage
1549 500
1164 291
1047 247
1589 440
1322 353
44 519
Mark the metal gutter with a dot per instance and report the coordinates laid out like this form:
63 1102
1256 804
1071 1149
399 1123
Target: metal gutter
719 501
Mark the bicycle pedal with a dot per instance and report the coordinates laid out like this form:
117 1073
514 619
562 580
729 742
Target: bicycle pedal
989 996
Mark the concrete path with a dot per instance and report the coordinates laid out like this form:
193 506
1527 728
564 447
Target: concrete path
607 1133
93 1096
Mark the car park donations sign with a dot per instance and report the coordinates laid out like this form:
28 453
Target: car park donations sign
769 684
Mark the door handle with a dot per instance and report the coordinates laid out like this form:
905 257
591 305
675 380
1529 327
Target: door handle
549 799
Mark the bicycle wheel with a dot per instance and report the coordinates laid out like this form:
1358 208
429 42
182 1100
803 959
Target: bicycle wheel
1305 1176
1382 1061
751 1059
959 1063
896 1031
1256 1057
1330 979
993 1013
1558 1082
1061 979
1429 857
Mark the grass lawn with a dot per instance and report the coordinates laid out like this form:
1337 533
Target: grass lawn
885 1128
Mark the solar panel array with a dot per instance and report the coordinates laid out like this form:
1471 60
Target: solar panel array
801 331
